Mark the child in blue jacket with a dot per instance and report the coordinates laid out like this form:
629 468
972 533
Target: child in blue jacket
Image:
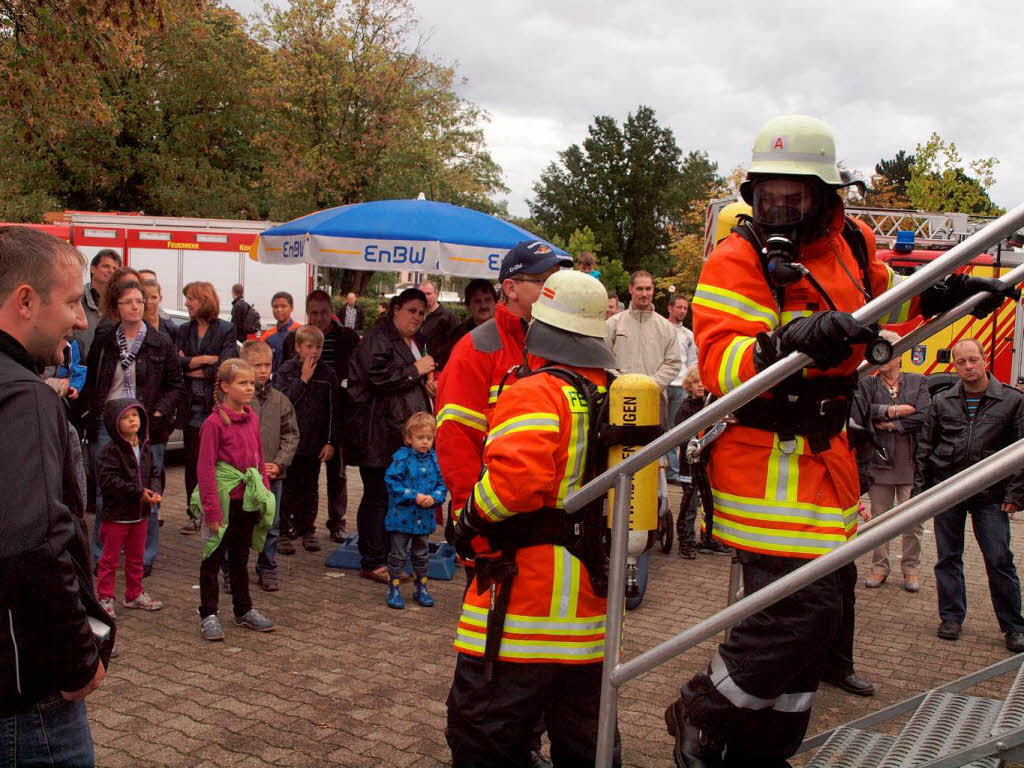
415 488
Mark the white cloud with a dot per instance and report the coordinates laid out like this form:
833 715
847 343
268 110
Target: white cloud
883 73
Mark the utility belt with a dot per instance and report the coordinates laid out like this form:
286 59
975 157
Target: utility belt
815 409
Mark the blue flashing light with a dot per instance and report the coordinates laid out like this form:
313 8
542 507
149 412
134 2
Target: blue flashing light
904 241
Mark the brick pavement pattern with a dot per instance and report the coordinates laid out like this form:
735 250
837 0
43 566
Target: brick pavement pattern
346 681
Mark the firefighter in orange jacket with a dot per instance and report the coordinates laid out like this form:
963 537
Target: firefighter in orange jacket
531 635
468 387
784 482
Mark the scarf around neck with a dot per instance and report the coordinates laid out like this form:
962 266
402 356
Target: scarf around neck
128 355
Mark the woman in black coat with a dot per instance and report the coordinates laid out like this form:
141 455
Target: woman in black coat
130 358
204 342
389 380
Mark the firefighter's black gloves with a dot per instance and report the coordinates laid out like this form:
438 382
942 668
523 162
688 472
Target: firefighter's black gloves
825 337
948 293
468 533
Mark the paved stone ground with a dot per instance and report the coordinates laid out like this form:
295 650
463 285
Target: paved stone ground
345 681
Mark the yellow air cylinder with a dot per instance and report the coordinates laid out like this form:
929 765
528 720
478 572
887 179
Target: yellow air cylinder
634 400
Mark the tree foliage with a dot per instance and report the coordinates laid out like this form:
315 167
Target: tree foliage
179 107
613 276
939 180
627 183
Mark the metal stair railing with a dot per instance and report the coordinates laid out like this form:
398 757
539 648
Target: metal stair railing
620 477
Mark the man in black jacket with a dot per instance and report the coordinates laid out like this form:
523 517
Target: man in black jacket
967 422
49 658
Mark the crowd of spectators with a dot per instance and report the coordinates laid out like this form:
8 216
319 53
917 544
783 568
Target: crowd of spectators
321 393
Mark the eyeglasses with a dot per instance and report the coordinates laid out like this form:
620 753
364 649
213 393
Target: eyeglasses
528 280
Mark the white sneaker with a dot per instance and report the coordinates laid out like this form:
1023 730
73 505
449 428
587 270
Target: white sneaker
107 603
145 602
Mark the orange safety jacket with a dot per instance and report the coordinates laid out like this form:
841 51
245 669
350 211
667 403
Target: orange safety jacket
466 393
771 496
535 456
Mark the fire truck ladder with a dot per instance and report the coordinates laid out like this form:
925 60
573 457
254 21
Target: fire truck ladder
947 729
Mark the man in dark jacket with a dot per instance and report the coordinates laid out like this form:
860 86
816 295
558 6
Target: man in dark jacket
240 312
49 657
969 421
438 326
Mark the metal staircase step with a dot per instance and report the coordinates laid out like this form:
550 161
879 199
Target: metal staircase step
852 748
944 723
1012 715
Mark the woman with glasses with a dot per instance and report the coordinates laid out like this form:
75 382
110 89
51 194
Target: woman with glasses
130 358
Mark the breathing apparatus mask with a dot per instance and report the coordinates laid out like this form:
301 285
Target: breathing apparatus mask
784 209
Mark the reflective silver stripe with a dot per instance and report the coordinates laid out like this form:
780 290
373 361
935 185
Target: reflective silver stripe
794 702
14 643
814 541
581 452
478 617
566 592
809 513
786 702
721 679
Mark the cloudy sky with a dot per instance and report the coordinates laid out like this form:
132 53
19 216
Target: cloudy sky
883 74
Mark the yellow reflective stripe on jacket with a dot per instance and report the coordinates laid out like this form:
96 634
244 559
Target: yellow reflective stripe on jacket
487 501
566 583
462 415
902 313
730 302
784 470
788 315
492 394
732 362
576 449
549 650
568 626
527 422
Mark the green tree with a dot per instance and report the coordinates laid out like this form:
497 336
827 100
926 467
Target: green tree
357 111
940 182
625 182
613 276
897 170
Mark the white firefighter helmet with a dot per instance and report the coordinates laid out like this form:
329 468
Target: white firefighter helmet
569 321
794 145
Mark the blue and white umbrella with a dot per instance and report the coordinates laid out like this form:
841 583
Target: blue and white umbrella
395 236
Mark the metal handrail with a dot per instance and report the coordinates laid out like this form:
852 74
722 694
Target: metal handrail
615 674
871 312
916 510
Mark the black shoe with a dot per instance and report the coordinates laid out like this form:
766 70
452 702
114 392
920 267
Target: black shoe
1015 641
713 547
536 760
858 686
338 535
949 630
146 570
694 748
687 551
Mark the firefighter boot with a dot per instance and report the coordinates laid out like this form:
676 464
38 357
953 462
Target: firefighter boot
394 596
695 748
422 596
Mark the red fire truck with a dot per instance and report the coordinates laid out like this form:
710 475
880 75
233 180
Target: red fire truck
181 250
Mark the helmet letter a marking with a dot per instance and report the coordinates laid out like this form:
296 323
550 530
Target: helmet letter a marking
779 144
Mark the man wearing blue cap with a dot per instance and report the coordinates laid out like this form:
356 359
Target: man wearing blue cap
468 387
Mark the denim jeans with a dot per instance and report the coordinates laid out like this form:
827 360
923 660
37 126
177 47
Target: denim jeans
676 397
267 560
992 532
54 732
153 526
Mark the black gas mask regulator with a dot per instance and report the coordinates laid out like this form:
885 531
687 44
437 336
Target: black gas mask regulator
781 217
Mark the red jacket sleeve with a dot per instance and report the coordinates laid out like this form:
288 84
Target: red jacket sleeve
462 407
